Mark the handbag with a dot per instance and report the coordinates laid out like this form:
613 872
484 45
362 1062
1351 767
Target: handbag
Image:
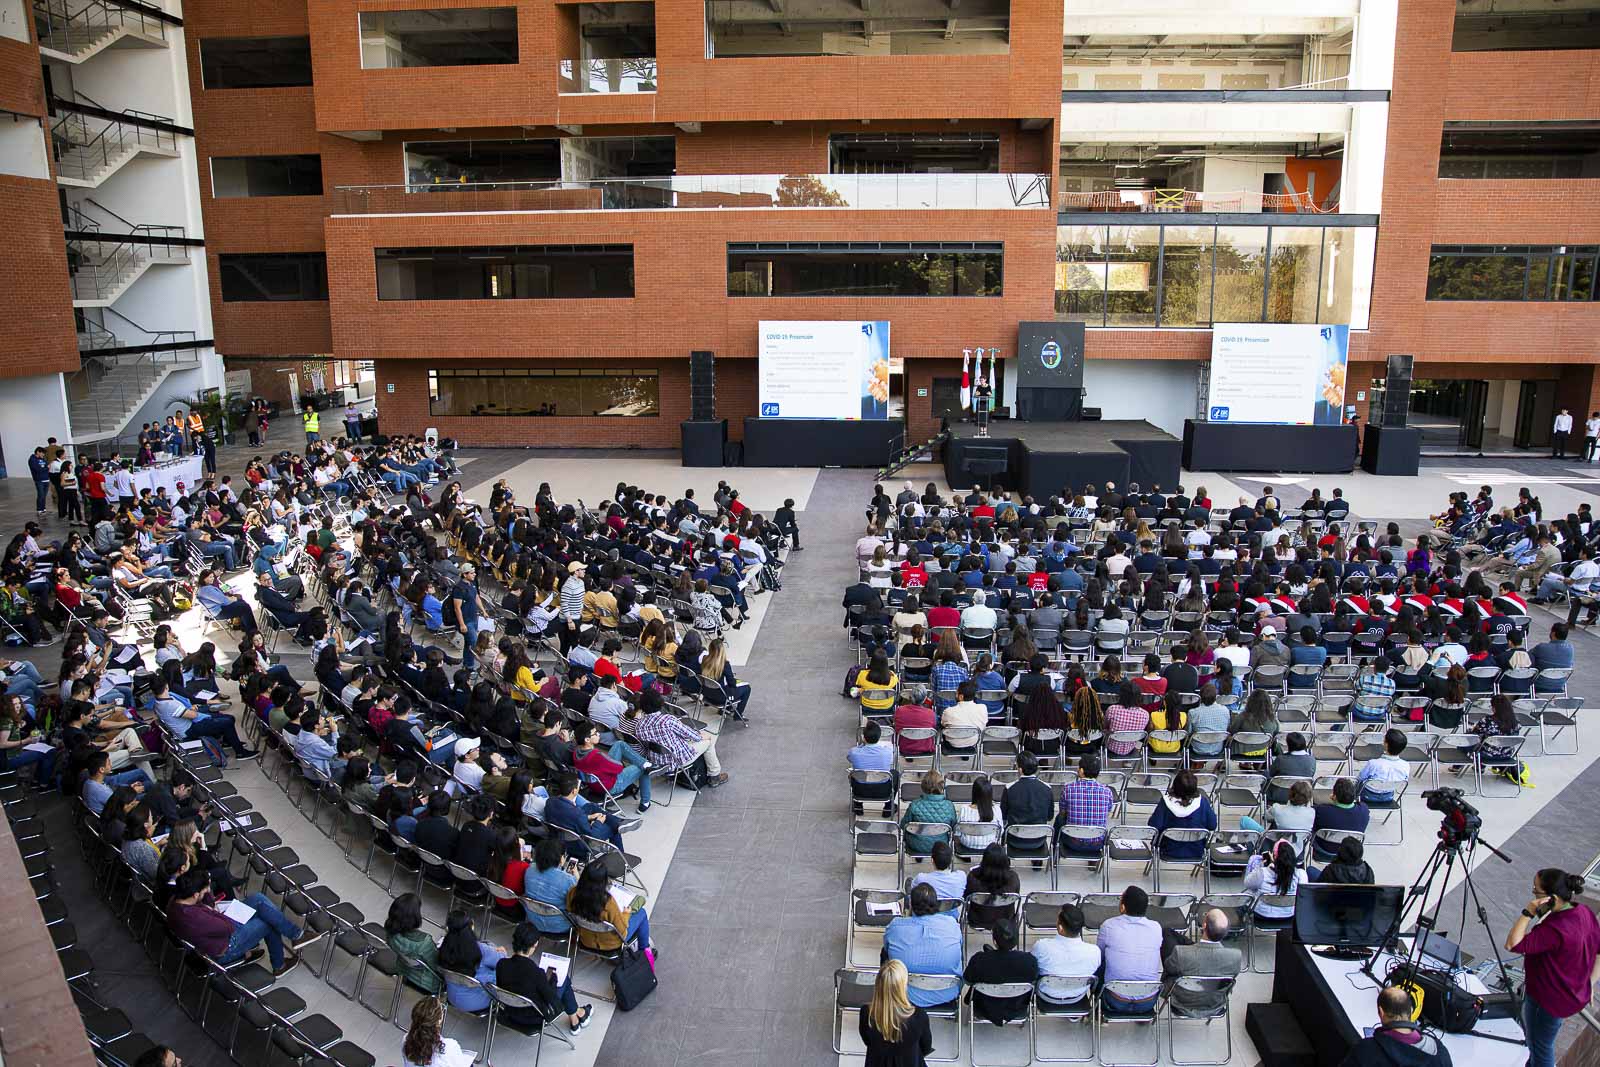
633 979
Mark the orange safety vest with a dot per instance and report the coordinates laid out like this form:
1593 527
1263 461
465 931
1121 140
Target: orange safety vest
196 423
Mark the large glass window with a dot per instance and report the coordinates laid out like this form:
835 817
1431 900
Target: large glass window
1193 275
1081 274
255 62
440 37
273 276
1241 274
865 270
528 272
1512 272
1295 265
560 392
1526 26
1186 276
248 176
1132 254
1520 150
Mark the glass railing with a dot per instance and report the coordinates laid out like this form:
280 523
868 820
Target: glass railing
608 75
860 192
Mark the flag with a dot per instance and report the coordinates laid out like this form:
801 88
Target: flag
966 379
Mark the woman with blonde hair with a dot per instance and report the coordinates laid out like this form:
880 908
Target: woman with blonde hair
896 1033
426 1045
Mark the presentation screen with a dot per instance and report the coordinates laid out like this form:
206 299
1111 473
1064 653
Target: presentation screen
824 370
1282 373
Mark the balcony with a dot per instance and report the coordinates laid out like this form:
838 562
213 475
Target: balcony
1188 200
859 192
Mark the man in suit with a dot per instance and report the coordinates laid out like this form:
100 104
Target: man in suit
1028 800
521 974
281 606
361 610
1209 958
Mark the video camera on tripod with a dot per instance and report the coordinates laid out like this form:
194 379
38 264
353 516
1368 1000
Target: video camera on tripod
1461 821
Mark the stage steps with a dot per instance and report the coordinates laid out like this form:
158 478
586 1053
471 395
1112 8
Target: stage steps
908 455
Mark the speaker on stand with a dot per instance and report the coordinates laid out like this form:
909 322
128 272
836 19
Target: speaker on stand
705 437
1396 392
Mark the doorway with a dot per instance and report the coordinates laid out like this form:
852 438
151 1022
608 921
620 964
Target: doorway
1477 416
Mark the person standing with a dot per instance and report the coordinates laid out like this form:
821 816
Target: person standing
39 467
71 505
1559 942
352 422
197 430
208 449
58 459
1591 437
313 424
252 425
1558 434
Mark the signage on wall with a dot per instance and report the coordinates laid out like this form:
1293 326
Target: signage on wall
1361 394
922 392
389 387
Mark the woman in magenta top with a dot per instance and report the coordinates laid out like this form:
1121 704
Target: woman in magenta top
1559 941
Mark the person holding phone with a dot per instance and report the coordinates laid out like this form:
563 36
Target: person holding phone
520 973
1559 941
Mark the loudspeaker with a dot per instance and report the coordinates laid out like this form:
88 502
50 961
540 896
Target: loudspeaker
1396 391
1091 414
703 442
702 386
1278 1037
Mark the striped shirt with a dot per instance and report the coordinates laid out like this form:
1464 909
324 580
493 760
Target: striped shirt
572 591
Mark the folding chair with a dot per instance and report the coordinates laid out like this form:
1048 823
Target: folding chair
1228 853
937 984
1182 836
1459 752
1128 844
852 992
500 1000
1130 992
1040 910
1025 1020
1560 712
1071 1000
875 840
1176 1013
868 915
1502 758
1259 924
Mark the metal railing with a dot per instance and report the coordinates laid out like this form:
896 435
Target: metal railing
68 25
106 389
97 264
860 192
1156 200
83 148
637 75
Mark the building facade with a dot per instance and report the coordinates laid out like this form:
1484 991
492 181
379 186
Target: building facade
527 213
103 270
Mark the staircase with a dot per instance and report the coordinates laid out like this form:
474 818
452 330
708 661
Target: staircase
75 32
115 388
88 151
104 263
903 455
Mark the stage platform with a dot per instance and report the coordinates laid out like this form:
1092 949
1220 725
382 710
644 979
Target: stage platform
1041 458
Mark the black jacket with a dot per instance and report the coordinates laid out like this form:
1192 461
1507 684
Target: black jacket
436 835
991 965
1028 800
523 976
1383 1051
472 847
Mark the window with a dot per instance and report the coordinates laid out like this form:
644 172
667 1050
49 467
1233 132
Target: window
255 62
481 162
566 391
1520 150
1526 26
914 153
530 272
1189 276
1512 272
442 37
247 176
944 269
823 28
273 276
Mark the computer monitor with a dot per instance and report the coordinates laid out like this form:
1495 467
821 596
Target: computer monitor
1345 916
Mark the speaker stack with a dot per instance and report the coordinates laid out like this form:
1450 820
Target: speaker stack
705 437
702 386
1396 391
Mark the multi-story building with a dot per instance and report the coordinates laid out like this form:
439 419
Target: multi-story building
108 318
535 210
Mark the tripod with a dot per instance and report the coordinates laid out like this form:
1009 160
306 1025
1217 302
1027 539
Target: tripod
1445 856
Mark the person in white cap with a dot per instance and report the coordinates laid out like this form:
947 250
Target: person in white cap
571 618
468 772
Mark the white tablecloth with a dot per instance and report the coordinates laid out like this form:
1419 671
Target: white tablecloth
1358 996
189 471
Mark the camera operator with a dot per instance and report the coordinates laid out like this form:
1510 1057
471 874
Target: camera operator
1397 1040
1559 941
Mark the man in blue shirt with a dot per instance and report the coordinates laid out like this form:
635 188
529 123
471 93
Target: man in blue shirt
1308 651
948 883
178 714
928 941
1553 654
464 602
39 467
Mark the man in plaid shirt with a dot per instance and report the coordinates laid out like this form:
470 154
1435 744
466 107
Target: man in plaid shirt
1086 802
1374 692
947 676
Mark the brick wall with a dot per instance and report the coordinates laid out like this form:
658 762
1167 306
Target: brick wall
680 270
1023 84
34 292
21 84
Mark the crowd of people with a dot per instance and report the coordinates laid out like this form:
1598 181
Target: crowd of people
1144 630
466 683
